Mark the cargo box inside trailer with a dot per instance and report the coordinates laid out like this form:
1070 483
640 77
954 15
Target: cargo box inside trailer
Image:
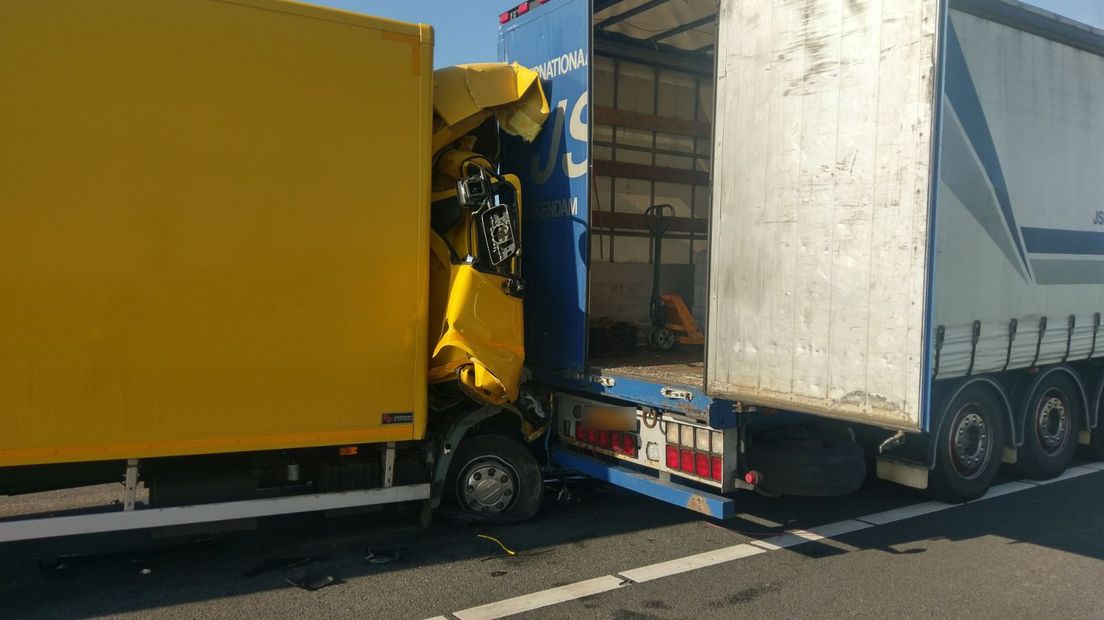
865 196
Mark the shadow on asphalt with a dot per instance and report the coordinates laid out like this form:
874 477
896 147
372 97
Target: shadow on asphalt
129 572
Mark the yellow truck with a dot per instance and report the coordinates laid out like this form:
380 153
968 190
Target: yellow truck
255 255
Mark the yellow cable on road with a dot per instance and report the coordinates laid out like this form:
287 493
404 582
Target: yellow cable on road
499 542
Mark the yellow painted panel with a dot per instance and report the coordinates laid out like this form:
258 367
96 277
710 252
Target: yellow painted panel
213 227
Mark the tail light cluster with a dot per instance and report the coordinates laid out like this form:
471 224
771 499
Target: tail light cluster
614 441
519 10
695 451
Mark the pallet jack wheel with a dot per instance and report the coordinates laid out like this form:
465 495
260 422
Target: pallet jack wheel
661 338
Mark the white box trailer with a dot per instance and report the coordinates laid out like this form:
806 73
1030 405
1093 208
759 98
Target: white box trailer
903 221
835 282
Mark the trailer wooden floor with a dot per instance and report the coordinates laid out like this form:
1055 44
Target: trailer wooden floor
679 367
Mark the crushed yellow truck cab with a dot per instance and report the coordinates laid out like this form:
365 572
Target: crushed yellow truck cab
475 305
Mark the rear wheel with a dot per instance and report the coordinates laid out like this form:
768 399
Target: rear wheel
1051 427
969 445
497 478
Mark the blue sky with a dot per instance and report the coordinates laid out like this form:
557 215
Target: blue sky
467 30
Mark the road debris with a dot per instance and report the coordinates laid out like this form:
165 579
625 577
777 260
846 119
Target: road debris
308 580
271 564
498 542
373 556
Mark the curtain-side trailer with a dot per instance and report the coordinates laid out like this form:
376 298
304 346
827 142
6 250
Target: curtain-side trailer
886 216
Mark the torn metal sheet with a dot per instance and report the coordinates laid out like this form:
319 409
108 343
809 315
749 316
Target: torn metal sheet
464 96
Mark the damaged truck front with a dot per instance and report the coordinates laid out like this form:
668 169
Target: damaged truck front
243 286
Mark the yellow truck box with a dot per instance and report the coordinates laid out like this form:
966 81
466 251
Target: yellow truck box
213 228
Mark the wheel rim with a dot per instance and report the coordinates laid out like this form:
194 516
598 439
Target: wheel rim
488 485
1052 421
665 338
970 441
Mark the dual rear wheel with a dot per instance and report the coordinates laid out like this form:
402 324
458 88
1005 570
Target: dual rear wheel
974 432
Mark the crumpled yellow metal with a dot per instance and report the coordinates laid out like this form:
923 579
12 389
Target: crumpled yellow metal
476 327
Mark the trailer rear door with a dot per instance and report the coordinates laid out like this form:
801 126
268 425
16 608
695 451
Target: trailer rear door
820 208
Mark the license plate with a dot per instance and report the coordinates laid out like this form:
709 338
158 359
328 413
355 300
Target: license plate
610 418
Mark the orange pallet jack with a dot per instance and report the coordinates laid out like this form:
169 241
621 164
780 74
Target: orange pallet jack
672 322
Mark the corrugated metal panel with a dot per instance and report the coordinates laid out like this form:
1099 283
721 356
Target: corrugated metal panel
820 206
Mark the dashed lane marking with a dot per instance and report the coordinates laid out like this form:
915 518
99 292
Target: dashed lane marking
792 538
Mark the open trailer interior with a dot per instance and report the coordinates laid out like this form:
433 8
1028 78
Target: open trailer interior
652 77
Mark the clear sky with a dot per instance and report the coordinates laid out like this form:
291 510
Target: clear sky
467 30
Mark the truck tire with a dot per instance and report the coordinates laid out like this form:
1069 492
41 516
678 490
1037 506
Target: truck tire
969 444
1051 426
806 461
496 478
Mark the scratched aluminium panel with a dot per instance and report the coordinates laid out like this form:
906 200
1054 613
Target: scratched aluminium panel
820 209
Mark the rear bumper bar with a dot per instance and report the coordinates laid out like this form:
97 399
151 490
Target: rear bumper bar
709 504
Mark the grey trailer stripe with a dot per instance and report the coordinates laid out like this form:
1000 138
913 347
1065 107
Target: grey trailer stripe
963 96
1067 271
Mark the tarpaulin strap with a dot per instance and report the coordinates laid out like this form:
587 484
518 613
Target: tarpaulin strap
975 336
1039 342
1069 336
1012 326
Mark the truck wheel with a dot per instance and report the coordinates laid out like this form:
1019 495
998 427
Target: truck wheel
799 460
497 478
1050 428
969 446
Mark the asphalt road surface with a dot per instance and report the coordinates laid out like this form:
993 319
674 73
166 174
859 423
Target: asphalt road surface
1035 551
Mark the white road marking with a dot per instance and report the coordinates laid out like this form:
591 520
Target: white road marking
1003 489
691 562
544 598
756 519
905 512
1072 472
792 538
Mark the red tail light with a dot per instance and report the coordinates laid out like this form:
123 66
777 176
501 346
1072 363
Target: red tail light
580 432
718 468
701 465
603 439
615 441
523 8
505 17
686 461
628 443
672 457
592 436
